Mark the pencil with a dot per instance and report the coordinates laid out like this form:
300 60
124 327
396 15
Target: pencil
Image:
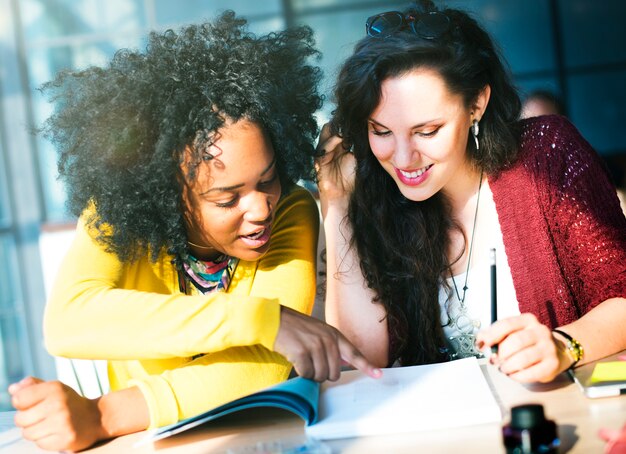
494 293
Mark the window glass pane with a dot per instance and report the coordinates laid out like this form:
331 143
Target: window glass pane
336 33
46 19
43 64
194 11
5 212
263 27
13 341
306 5
53 190
522 30
593 32
597 106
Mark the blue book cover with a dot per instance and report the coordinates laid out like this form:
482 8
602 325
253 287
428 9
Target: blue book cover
298 395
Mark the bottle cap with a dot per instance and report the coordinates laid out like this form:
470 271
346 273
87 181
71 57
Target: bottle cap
527 416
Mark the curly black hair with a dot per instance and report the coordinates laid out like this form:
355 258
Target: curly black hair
121 130
402 244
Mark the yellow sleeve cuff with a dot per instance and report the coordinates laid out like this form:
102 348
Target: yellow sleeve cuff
160 398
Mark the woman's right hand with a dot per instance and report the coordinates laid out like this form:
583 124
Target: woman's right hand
54 416
335 170
317 349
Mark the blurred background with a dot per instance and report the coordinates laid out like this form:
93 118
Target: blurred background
575 49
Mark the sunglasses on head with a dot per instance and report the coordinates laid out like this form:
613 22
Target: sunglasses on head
428 26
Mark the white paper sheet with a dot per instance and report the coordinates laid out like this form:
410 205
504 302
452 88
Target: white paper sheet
406 399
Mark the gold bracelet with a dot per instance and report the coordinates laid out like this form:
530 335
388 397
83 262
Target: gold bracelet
574 347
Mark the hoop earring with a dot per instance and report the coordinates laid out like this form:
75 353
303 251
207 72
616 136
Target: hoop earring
475 130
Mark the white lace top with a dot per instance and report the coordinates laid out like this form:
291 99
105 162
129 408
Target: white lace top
461 326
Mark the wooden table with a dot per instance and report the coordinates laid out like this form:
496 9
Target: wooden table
578 418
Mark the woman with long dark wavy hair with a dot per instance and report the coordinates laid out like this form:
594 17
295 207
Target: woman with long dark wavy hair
430 170
194 258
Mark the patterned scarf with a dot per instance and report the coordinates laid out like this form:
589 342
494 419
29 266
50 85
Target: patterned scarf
208 276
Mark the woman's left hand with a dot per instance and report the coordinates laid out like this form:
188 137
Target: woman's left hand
335 171
54 416
527 351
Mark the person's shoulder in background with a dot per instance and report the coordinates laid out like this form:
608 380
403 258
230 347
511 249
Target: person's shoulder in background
541 102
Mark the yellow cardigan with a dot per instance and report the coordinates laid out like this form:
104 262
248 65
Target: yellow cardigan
133 315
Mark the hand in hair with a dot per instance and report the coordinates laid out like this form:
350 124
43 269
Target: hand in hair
335 171
316 349
348 301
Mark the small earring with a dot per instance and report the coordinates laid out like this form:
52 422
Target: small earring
475 130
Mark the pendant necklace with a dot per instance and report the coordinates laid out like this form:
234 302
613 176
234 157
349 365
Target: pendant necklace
463 343
469 256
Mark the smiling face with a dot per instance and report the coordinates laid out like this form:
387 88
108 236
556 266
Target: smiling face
419 132
232 202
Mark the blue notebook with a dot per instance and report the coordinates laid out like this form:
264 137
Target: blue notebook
404 399
298 395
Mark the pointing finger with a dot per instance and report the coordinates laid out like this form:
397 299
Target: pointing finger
355 358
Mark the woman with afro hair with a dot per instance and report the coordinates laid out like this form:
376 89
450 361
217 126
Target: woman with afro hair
194 259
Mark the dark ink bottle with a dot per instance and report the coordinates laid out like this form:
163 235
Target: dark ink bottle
529 432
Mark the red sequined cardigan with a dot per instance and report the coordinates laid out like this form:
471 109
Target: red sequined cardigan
563 229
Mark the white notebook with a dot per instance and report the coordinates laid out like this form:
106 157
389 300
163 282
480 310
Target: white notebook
406 399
